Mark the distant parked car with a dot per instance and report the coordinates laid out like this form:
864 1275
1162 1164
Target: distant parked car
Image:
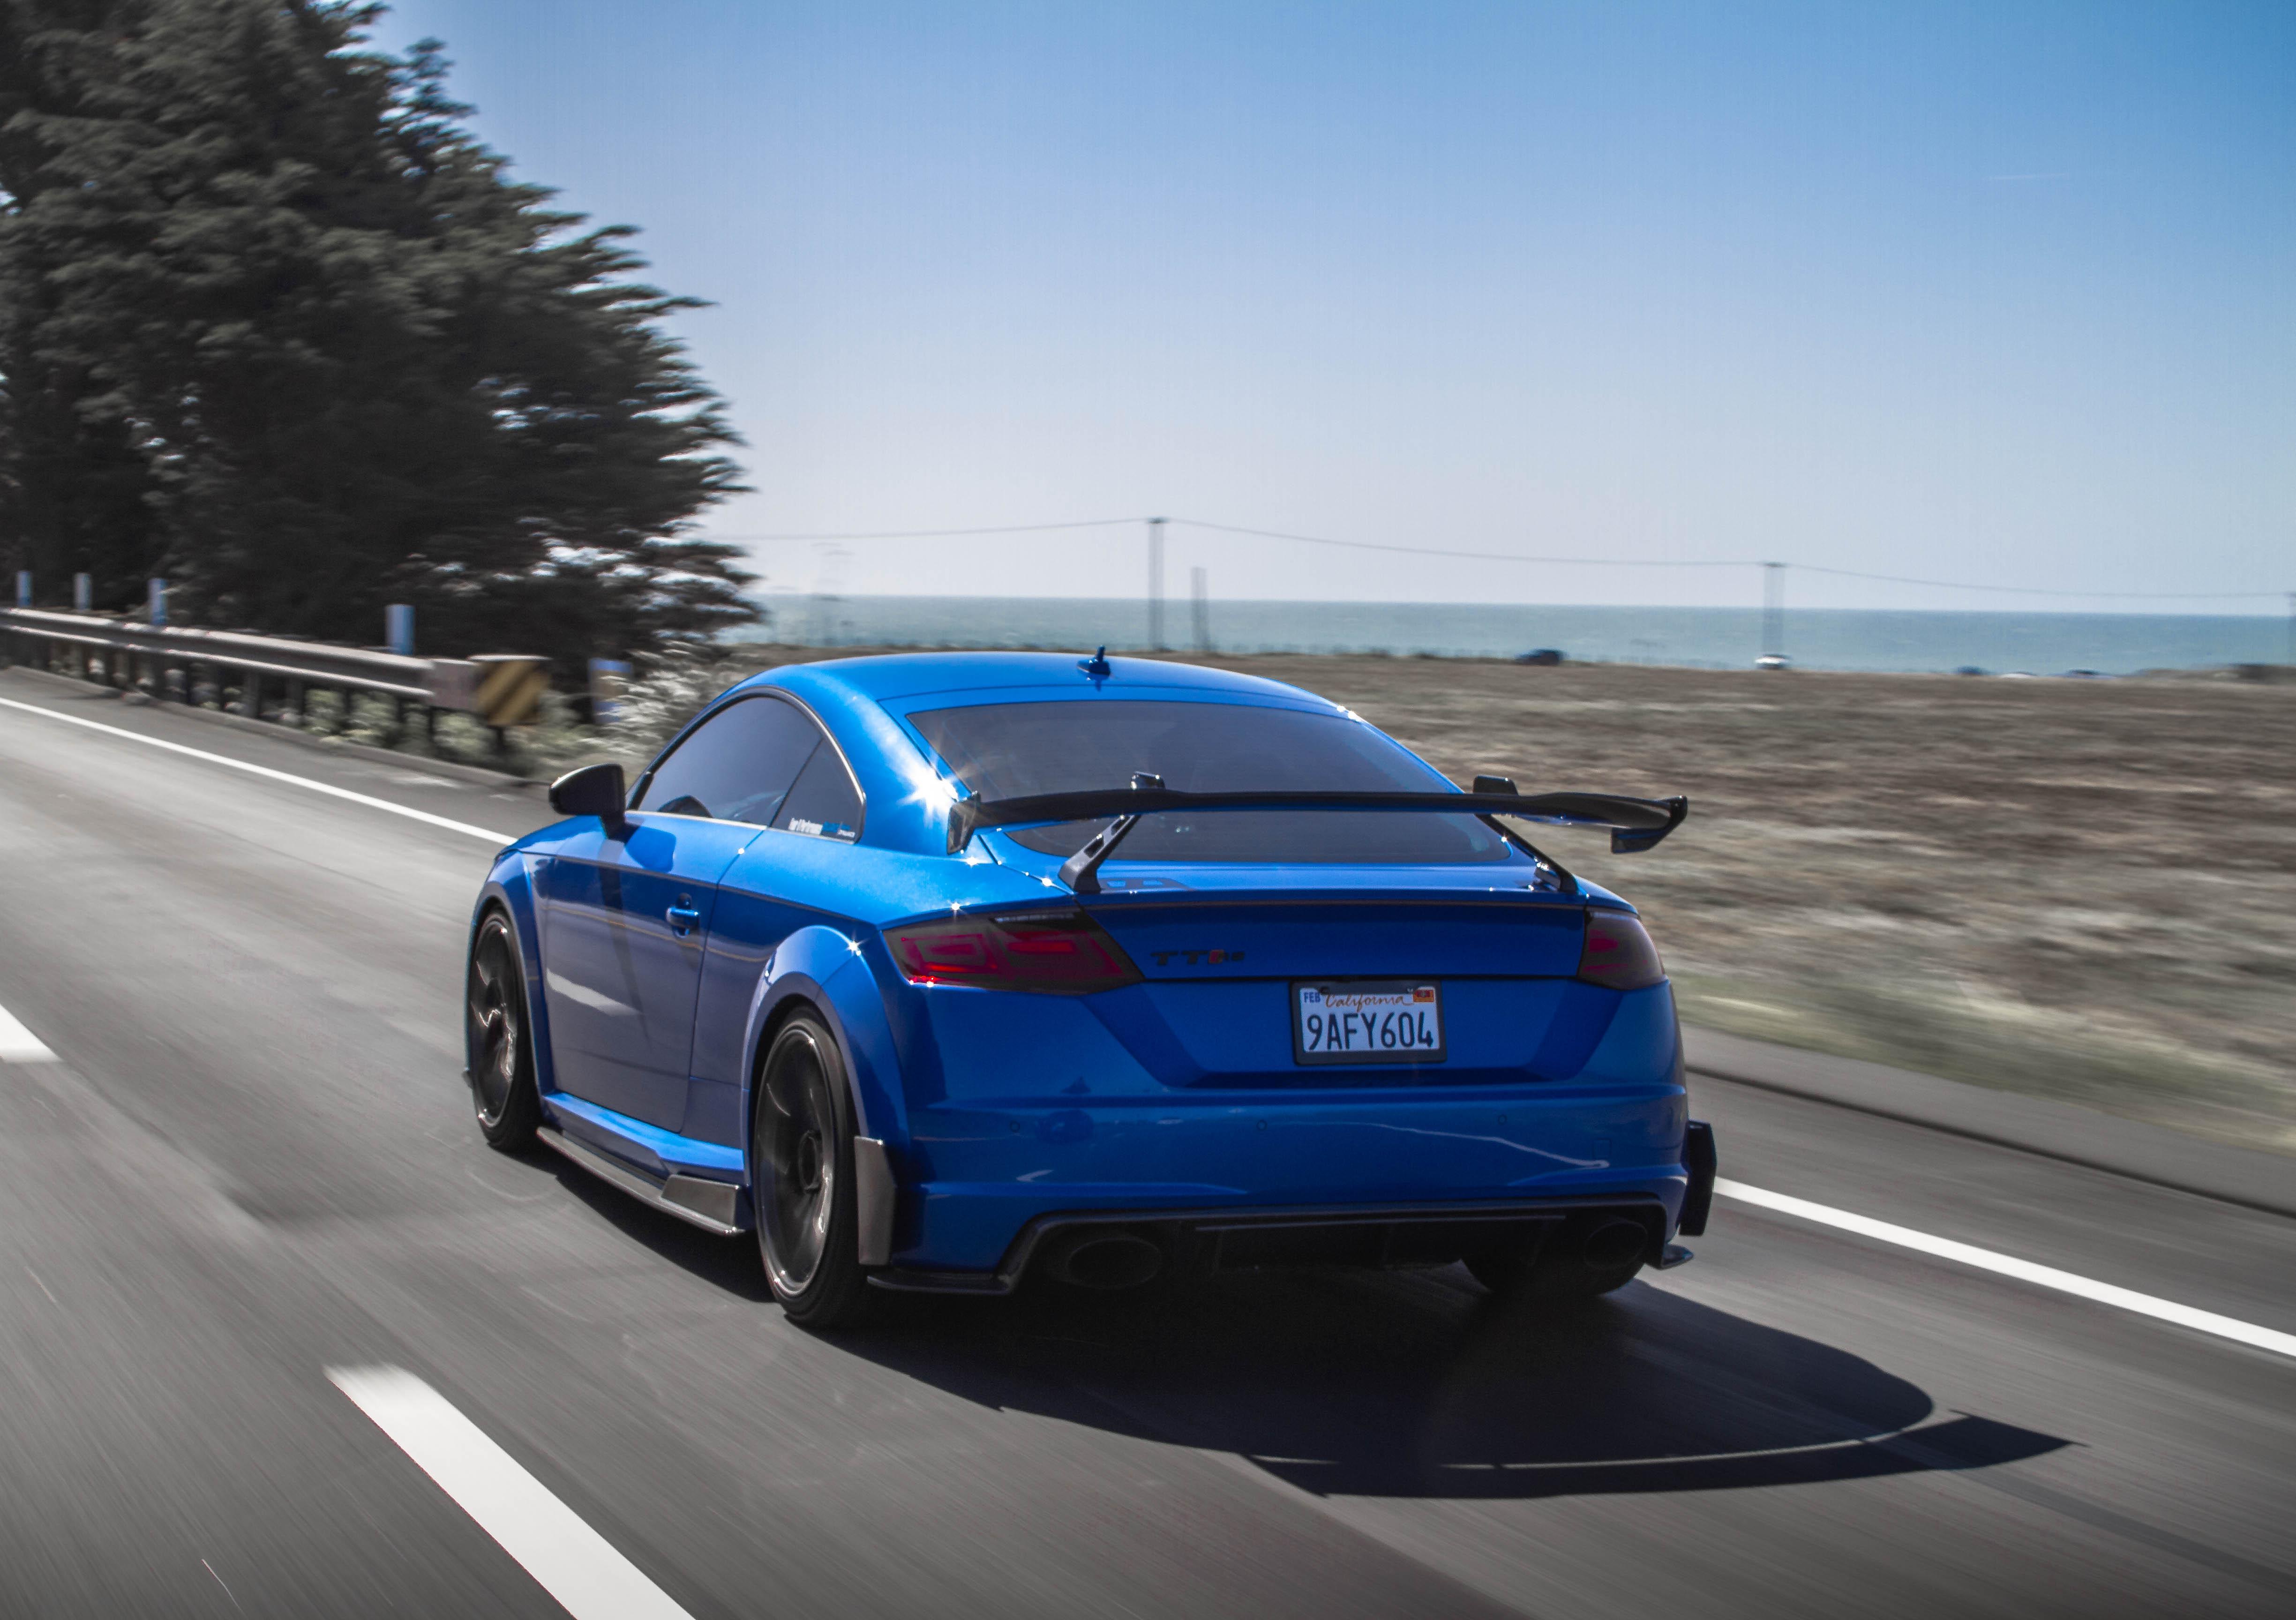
1969 669
1774 660
943 971
1544 657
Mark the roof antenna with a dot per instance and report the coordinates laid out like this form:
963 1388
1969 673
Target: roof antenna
1096 665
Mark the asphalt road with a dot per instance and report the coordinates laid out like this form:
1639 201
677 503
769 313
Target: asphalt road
251 1161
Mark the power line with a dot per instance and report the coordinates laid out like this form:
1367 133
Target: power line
1955 585
1430 550
1475 556
940 534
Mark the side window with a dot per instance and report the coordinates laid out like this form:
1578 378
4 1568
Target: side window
822 802
738 765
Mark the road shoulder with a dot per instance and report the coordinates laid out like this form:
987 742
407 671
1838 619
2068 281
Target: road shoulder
2062 1131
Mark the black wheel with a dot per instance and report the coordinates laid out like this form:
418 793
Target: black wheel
801 1159
497 1041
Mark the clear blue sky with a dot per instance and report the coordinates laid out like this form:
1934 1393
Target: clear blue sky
1993 291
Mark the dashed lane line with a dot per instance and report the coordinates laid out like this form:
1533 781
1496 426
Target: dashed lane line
18 1044
572 1562
329 788
2009 1265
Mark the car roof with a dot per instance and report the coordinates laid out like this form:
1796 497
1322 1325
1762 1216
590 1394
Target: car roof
863 701
858 698
888 677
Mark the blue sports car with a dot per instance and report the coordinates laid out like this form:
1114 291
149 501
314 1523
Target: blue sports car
943 971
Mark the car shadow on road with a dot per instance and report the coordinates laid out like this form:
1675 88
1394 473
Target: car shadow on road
1405 1383
731 1264
1420 1384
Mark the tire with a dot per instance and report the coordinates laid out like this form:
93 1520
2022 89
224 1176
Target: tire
497 1041
801 1180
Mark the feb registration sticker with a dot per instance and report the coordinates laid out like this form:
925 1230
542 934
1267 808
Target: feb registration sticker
1363 1022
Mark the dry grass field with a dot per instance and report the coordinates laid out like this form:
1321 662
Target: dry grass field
2084 888
2079 887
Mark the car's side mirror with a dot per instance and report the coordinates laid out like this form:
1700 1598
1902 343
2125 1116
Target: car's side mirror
591 790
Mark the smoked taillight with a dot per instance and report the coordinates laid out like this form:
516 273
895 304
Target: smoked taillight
1618 952
1065 952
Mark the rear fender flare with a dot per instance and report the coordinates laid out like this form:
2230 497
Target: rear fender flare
820 967
510 888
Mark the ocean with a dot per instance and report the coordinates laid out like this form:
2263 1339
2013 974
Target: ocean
1719 638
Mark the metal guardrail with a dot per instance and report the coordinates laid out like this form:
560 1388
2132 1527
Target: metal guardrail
165 661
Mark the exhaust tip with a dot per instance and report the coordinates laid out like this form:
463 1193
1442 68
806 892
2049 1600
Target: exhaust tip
1615 1245
1105 1260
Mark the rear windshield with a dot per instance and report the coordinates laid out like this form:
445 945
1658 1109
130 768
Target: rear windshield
1008 751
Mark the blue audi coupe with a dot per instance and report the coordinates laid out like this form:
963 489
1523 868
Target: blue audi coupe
944 972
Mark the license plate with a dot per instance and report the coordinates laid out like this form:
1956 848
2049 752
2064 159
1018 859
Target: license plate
1362 1021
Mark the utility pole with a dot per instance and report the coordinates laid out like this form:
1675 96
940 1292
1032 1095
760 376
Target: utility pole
2291 629
1200 602
1773 610
1156 584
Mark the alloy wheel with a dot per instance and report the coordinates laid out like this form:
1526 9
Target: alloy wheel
801 1140
492 1002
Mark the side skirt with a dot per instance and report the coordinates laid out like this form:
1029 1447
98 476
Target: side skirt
709 1205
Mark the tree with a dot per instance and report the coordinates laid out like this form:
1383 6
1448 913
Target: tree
72 482
335 355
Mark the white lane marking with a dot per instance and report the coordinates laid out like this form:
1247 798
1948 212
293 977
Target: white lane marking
572 1562
220 1582
2008 1265
18 1044
330 790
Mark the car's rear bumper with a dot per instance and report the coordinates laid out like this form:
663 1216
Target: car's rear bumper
1252 1238
980 1179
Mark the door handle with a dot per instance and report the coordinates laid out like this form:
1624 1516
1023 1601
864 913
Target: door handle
683 919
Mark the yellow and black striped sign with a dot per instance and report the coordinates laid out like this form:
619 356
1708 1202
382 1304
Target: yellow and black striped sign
509 690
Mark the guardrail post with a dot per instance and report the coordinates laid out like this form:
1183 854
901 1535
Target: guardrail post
609 680
250 693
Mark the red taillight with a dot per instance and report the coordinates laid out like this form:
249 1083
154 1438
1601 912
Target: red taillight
1618 952
1066 952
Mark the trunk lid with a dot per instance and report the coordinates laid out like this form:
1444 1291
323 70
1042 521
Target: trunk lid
1224 964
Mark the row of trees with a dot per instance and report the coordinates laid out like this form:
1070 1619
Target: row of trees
273 324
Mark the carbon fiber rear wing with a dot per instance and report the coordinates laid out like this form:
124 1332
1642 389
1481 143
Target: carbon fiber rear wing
1634 824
